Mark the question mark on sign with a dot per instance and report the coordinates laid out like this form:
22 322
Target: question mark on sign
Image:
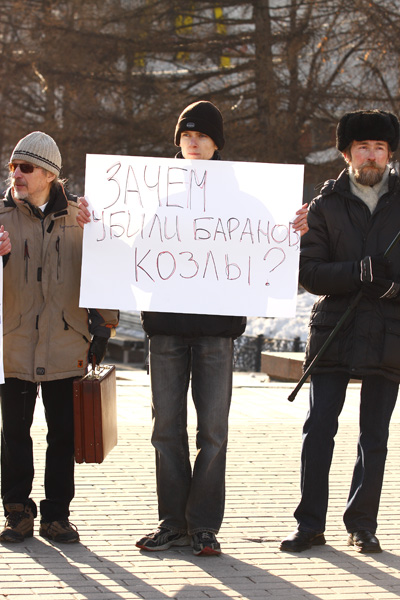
278 263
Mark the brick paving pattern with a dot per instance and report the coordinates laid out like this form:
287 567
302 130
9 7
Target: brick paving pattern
115 504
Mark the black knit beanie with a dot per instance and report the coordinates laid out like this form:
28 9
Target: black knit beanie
363 125
202 116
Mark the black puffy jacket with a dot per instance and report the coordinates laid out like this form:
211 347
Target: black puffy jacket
343 231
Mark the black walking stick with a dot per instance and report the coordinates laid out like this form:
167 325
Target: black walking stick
334 331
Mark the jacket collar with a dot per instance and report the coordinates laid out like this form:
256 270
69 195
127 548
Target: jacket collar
57 204
215 156
342 184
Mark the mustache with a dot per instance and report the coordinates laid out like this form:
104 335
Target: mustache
370 163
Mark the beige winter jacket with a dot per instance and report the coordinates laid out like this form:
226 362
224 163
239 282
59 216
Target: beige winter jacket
46 334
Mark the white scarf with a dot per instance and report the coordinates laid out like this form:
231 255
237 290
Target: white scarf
370 194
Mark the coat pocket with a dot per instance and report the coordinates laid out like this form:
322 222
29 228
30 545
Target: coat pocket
69 347
11 324
391 345
79 325
321 325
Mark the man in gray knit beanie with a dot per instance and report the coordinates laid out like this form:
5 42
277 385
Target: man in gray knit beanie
48 339
35 164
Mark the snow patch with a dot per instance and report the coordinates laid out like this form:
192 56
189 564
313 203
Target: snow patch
284 328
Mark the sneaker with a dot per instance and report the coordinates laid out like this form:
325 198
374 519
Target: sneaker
204 543
162 539
59 531
19 523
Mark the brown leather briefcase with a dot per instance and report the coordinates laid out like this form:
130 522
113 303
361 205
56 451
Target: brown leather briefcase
95 414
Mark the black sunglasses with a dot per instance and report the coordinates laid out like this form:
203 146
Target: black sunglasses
24 168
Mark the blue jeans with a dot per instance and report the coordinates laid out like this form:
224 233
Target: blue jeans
327 395
190 501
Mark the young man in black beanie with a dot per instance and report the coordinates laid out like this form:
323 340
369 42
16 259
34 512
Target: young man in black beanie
191 504
200 348
352 222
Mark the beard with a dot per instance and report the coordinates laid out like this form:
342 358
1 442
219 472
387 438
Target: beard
369 174
20 195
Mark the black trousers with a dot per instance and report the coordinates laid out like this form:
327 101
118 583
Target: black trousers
327 397
18 399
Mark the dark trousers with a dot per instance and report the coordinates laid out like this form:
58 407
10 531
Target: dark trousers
190 501
18 399
327 395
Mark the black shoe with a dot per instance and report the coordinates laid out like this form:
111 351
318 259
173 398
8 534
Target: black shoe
162 539
204 543
364 541
301 540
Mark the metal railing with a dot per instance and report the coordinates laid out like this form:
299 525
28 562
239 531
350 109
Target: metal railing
247 353
130 339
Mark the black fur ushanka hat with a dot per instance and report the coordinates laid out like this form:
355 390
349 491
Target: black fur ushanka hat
363 125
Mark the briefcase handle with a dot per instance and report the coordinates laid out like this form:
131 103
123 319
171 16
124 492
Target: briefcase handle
96 369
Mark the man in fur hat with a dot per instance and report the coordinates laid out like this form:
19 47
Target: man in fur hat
351 224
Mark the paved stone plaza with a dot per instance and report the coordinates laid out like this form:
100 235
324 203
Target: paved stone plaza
116 503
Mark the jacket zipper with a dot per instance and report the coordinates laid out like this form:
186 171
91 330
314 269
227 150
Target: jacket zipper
58 256
26 259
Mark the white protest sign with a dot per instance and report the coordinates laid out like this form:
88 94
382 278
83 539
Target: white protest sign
191 236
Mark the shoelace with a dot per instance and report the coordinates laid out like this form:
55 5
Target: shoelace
15 517
158 531
66 525
205 535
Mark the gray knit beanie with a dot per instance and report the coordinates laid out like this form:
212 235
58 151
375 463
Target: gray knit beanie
39 149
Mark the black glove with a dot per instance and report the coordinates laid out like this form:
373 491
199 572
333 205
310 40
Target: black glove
376 274
97 350
375 267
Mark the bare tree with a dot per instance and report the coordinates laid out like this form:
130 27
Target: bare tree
112 76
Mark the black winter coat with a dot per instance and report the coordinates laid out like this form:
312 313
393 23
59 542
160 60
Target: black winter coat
343 231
